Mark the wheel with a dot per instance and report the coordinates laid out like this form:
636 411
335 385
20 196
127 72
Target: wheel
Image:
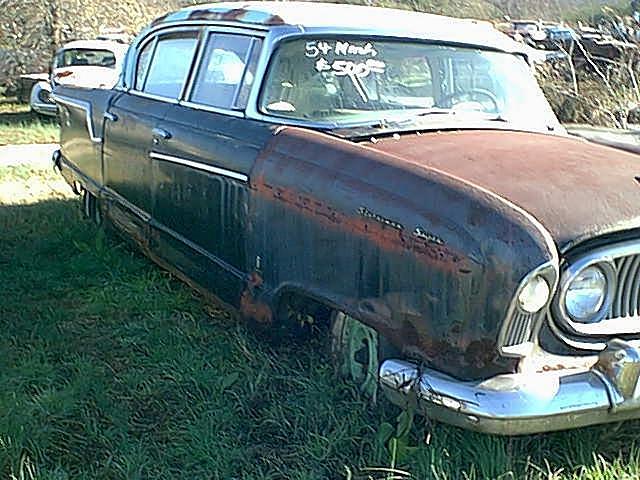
91 207
355 350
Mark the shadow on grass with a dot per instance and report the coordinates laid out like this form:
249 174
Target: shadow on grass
111 368
25 117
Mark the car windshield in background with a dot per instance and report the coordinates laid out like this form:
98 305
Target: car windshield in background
80 56
347 81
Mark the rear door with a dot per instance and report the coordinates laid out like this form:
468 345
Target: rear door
132 124
201 169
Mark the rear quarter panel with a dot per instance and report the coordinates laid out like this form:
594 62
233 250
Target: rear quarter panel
81 113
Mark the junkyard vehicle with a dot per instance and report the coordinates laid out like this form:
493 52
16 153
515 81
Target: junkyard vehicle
398 173
83 63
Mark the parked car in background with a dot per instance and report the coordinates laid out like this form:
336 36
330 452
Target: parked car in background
83 63
559 37
397 175
532 31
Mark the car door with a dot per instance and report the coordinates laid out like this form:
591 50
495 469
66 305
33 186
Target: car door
132 125
201 169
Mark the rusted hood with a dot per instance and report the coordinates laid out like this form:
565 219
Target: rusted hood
576 189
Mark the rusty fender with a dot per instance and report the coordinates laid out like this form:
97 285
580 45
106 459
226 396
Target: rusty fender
430 261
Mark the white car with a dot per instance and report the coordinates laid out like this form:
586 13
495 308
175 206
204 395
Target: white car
82 63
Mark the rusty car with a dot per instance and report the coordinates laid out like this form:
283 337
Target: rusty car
396 176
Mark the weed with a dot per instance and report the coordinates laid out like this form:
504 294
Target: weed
112 369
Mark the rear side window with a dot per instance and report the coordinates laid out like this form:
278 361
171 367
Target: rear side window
226 71
85 56
170 64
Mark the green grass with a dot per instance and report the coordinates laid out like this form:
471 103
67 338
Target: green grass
110 368
19 125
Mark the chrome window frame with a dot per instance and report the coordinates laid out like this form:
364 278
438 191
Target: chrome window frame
207 33
204 30
156 38
154 42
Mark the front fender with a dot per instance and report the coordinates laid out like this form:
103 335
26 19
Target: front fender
429 260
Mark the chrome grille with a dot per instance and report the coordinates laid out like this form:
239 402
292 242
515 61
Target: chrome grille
520 328
626 301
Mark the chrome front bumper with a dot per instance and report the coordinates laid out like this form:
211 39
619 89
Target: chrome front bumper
524 403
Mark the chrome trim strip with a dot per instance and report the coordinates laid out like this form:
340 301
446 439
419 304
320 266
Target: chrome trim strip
197 248
86 106
146 73
89 183
206 108
196 63
247 58
142 214
200 166
154 97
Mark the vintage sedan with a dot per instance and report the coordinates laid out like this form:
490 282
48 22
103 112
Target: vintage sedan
83 63
399 175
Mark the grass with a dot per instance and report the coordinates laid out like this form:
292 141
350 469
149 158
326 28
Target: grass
110 368
18 125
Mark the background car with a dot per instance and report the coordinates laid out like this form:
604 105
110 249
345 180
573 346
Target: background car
82 63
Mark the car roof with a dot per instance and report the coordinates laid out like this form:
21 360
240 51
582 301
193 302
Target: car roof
324 17
116 47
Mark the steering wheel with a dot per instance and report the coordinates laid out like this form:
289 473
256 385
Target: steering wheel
472 95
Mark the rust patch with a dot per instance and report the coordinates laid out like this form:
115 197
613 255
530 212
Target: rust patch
250 306
63 74
234 15
386 237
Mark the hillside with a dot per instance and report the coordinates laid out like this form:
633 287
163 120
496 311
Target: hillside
31 30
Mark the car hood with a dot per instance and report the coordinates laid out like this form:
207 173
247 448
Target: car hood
576 189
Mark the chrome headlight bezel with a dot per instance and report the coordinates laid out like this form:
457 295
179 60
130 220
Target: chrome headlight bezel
587 324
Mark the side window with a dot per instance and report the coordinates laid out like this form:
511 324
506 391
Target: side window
143 64
170 64
227 71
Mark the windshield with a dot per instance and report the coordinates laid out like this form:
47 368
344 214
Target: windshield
346 81
82 56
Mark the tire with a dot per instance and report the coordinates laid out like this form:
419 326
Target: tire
356 353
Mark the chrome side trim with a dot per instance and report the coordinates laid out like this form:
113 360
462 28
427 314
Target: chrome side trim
197 248
153 97
87 182
142 214
82 105
200 166
205 108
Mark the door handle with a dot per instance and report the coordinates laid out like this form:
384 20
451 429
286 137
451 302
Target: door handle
110 116
160 134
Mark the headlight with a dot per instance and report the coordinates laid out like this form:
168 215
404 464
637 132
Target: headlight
44 96
586 295
534 295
